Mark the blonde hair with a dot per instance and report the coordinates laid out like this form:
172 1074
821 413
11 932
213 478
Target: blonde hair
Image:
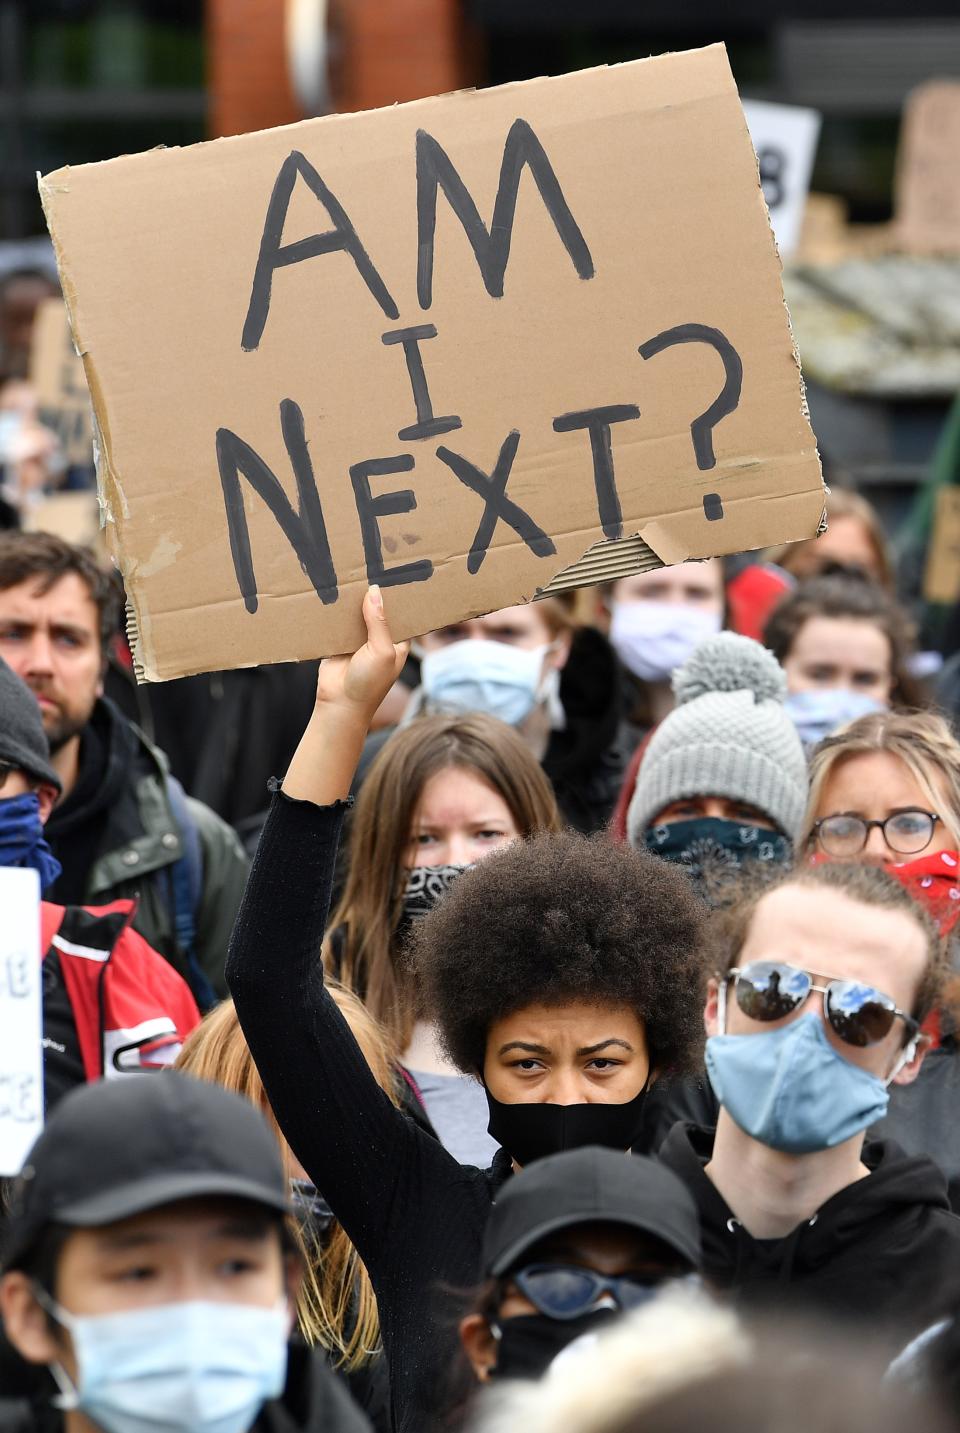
922 740
336 1306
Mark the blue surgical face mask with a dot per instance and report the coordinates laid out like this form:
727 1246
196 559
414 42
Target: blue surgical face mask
791 1090
174 1368
21 838
822 710
475 675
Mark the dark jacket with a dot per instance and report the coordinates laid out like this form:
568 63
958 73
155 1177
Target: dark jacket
586 761
313 1401
118 838
415 1215
923 1116
884 1251
226 733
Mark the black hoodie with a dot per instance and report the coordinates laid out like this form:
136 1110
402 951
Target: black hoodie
885 1250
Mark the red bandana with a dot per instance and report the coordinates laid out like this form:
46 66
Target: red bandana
934 881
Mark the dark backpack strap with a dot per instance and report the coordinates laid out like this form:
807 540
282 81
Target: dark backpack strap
186 881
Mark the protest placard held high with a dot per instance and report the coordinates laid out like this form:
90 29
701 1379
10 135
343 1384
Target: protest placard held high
448 347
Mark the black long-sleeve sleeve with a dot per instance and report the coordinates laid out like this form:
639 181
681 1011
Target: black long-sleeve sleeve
415 1215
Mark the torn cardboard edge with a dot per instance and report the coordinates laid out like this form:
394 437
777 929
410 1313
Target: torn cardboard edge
603 562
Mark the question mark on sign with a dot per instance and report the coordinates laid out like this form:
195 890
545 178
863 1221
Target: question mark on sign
701 429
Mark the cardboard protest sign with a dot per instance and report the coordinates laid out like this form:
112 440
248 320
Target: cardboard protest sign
928 175
56 372
21 1057
454 347
941 582
785 138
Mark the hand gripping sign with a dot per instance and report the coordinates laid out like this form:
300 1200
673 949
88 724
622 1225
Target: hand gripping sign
471 348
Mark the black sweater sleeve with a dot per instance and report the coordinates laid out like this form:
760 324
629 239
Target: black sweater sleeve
368 1160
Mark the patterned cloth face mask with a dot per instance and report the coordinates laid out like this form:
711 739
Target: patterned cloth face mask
711 846
425 887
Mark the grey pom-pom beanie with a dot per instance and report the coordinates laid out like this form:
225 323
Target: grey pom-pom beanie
727 736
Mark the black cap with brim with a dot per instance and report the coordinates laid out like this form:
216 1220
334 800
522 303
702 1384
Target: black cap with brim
589 1186
124 1201
124 1146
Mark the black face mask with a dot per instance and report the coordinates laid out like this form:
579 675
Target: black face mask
532 1131
528 1345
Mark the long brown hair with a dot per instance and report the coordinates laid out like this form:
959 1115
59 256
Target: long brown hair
366 919
336 1306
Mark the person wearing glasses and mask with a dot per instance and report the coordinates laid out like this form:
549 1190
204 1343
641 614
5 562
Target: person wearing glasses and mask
814 1015
573 1242
885 791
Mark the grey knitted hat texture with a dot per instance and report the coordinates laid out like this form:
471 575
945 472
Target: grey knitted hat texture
23 741
727 736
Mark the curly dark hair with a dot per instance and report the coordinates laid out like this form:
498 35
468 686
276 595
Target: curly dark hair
564 917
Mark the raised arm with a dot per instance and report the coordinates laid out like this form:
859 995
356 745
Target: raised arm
349 690
344 1130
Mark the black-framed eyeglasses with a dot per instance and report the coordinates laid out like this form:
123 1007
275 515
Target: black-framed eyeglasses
860 1015
906 832
565 1291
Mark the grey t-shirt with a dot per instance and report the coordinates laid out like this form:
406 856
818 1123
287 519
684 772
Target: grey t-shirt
458 1111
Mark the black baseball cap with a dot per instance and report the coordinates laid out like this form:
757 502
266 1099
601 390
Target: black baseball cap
586 1186
121 1146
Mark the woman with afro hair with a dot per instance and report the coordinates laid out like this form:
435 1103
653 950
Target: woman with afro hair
565 974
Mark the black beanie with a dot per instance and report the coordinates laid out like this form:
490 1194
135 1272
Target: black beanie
23 741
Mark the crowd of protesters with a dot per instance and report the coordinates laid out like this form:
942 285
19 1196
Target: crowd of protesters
565 1039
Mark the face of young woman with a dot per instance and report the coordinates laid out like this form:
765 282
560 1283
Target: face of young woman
875 785
577 1053
841 652
460 819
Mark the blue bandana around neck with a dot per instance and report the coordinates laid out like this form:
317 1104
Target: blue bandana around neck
22 841
710 845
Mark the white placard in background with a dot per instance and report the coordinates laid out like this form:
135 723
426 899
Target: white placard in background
785 138
21 1019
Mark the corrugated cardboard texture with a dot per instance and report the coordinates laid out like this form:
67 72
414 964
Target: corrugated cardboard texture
636 270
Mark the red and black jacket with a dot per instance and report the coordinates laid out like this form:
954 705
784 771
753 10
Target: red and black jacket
111 1004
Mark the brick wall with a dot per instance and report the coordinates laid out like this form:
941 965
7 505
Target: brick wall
386 51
